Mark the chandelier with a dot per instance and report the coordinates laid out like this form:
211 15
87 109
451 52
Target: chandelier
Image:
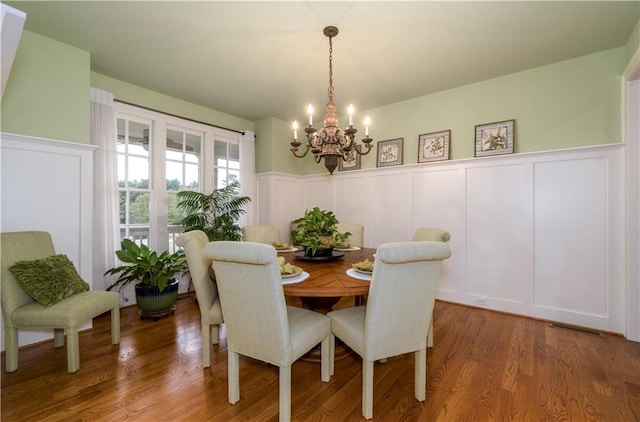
330 142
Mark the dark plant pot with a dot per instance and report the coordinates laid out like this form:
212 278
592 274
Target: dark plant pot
152 301
319 251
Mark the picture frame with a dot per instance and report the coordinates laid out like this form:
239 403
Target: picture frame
390 152
495 138
434 146
353 163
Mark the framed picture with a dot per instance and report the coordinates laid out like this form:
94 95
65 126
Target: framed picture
433 146
353 163
390 152
495 138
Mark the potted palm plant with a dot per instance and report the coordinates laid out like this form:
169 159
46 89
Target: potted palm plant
316 231
216 213
154 276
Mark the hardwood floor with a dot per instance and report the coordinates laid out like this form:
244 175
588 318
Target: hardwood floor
484 366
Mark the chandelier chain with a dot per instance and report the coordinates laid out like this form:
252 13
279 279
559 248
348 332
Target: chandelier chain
330 65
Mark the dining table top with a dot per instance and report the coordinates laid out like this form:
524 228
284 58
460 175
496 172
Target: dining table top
329 278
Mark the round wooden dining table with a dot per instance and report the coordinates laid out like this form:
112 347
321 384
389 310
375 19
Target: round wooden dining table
328 282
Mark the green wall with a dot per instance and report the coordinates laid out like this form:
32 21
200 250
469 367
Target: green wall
633 43
146 98
273 137
563 105
47 94
567 104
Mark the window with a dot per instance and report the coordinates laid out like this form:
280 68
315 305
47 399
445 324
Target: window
134 189
159 155
183 155
226 163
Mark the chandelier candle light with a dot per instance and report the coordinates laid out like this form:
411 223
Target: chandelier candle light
330 142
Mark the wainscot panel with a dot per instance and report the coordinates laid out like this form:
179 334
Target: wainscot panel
48 185
537 234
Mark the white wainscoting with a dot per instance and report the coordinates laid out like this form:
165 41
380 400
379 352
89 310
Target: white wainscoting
537 234
48 185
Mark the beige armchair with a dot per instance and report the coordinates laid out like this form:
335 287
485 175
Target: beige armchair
20 311
428 233
357 233
211 317
398 313
259 323
261 233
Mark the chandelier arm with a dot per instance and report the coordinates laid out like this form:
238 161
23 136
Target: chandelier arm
359 148
294 150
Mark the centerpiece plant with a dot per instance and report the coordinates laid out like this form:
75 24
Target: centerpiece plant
317 232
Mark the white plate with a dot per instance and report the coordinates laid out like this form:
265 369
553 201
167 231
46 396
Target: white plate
287 250
297 279
360 276
296 271
350 248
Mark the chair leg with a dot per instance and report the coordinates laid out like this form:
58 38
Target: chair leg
430 334
332 351
115 325
326 359
285 393
58 337
11 349
420 368
206 345
233 376
215 333
73 350
367 389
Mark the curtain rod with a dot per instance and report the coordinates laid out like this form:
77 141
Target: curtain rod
179 117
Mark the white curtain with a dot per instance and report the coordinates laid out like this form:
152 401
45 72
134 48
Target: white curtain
106 227
248 176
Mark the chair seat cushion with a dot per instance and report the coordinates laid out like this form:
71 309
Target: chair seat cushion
348 325
49 280
69 312
306 329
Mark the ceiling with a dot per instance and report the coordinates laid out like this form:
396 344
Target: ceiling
270 59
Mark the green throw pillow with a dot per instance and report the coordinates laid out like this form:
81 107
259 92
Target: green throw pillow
49 280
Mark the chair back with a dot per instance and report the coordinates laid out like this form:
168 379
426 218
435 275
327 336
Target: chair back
401 297
193 243
356 230
20 246
261 233
428 233
252 300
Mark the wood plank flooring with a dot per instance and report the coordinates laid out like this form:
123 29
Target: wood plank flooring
484 366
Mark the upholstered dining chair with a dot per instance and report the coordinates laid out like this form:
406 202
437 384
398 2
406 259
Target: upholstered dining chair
356 230
193 243
428 233
438 235
31 254
261 233
398 313
259 324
